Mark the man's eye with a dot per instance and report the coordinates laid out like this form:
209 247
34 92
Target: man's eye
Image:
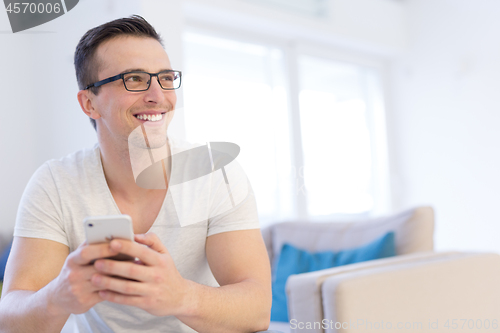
167 78
134 78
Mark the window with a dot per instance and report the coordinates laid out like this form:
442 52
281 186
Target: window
238 91
335 137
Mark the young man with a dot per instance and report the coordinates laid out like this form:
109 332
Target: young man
209 276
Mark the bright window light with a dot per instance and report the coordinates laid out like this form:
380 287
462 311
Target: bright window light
235 92
336 138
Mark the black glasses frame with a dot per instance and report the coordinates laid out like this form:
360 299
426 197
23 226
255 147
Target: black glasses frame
122 75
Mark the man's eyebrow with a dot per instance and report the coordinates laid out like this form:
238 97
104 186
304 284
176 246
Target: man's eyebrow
143 70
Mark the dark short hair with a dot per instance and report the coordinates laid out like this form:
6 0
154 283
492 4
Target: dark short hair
86 64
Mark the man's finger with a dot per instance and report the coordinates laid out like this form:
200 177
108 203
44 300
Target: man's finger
124 269
118 298
84 255
121 286
136 250
152 241
86 272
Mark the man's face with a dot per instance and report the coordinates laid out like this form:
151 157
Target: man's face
119 108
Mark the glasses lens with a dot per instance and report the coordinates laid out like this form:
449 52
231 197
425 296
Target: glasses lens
136 81
170 80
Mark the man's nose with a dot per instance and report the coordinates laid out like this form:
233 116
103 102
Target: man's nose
155 93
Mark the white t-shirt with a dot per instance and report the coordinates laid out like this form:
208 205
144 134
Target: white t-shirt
63 192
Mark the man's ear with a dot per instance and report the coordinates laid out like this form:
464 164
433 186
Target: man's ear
85 98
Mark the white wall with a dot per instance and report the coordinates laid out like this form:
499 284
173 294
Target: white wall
445 120
43 121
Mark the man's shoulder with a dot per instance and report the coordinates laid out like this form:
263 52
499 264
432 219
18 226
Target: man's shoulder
72 171
76 162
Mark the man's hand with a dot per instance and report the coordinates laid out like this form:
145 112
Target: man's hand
158 288
73 290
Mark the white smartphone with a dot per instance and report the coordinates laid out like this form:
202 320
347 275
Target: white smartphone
103 229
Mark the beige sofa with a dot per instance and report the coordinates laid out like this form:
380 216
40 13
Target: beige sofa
416 291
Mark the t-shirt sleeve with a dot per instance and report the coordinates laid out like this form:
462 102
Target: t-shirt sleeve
39 214
233 205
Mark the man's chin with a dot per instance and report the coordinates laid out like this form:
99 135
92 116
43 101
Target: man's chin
157 142
144 137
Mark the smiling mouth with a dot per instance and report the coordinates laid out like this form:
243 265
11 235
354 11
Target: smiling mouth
150 117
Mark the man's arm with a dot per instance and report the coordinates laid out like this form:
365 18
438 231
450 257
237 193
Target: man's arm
43 285
242 303
32 264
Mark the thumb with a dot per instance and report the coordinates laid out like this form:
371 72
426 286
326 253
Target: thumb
152 241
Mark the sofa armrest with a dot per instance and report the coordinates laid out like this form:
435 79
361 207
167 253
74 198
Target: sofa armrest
460 289
304 291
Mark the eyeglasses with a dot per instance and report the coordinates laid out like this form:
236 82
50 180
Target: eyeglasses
140 81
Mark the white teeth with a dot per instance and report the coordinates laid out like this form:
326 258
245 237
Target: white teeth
150 117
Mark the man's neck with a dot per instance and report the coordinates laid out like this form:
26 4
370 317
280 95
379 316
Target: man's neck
118 171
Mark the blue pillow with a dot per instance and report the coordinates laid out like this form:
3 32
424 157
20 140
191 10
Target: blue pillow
295 261
3 260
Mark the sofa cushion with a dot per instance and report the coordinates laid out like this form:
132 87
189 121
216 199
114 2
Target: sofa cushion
413 231
293 260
